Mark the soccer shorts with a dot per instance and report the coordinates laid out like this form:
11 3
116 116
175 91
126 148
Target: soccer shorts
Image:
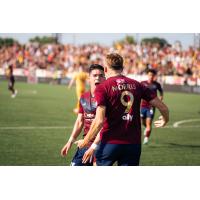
147 113
123 154
77 159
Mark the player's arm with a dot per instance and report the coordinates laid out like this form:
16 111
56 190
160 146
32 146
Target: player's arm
156 102
75 133
95 127
71 82
90 152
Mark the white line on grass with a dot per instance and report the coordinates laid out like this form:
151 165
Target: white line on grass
69 127
171 126
176 124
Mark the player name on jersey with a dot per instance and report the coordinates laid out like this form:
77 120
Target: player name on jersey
123 87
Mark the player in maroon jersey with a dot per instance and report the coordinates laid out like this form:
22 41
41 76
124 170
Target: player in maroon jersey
147 110
118 116
11 81
86 115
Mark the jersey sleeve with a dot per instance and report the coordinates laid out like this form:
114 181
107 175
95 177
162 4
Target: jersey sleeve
80 107
160 89
100 95
147 94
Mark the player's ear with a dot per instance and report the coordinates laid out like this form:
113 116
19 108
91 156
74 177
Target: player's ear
105 69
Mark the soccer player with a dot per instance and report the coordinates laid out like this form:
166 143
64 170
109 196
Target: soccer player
80 78
118 116
147 110
11 81
85 116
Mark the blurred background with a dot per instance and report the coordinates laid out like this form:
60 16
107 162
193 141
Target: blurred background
57 55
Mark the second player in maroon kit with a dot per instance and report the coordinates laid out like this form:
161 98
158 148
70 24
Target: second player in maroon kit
147 110
85 116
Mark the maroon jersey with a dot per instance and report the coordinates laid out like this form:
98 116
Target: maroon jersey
88 107
154 87
122 97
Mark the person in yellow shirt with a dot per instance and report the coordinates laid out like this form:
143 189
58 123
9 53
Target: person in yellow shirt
80 78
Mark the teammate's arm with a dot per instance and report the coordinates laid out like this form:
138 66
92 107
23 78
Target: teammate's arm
95 127
75 133
90 152
156 102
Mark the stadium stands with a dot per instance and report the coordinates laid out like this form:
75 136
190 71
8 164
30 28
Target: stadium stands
170 61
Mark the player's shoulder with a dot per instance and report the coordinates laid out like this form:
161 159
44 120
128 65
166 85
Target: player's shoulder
83 73
156 83
85 95
133 81
144 82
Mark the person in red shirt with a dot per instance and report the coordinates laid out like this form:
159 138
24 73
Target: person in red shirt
147 110
87 111
118 116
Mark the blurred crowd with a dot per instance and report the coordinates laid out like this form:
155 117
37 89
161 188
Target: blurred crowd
167 60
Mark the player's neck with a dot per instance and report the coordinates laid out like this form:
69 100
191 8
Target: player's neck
92 91
114 73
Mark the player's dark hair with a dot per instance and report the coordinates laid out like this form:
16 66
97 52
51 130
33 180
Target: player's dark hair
115 61
153 71
95 66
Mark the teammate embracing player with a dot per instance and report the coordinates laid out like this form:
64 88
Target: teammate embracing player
147 110
86 114
118 116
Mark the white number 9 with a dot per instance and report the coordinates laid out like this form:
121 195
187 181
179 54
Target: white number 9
129 103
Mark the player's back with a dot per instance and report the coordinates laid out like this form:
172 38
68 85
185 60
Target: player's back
122 97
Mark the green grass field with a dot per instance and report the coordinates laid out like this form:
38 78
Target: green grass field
32 133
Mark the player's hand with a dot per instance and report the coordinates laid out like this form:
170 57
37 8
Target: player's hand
88 155
65 149
160 122
80 144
